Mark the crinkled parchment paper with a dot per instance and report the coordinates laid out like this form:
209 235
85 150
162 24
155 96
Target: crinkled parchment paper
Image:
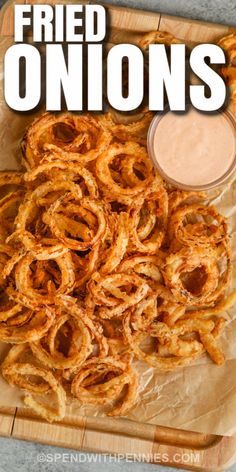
201 397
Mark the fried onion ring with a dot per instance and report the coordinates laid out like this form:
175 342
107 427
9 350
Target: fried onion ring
67 172
29 210
121 191
90 211
228 43
165 364
194 275
16 373
157 37
136 130
24 280
77 353
101 381
115 293
148 223
70 137
118 246
207 227
34 326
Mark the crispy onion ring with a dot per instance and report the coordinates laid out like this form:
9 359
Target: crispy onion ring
45 350
16 256
180 347
85 265
145 312
165 364
220 307
45 411
90 387
27 326
122 191
11 178
24 280
118 245
175 345
58 170
96 330
93 215
21 353
9 205
6 254
228 43
26 215
112 293
148 267
180 198
209 230
12 199
207 284
70 137
136 130
9 309
16 373
157 37
19 319
148 223
162 304
113 330
229 74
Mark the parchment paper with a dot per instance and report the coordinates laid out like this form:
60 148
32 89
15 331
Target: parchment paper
201 397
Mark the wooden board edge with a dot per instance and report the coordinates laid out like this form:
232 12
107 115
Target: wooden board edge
85 436
186 20
125 427
163 16
7 418
130 10
189 31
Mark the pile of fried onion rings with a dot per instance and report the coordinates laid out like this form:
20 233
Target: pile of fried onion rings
102 265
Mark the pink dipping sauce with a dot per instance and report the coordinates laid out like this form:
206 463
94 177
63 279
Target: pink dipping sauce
193 150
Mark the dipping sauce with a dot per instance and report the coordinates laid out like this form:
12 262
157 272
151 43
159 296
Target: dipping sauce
193 150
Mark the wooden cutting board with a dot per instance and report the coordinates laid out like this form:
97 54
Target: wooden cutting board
183 449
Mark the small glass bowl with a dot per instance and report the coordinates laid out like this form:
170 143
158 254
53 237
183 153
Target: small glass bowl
150 145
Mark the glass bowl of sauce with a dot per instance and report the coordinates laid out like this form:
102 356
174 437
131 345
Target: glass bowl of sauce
193 150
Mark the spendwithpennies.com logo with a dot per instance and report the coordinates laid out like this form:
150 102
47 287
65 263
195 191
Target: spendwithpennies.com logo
177 458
